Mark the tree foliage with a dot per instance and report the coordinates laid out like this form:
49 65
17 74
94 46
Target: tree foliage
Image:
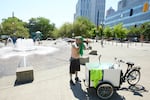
119 31
82 26
134 31
108 32
41 24
66 30
13 26
55 33
145 30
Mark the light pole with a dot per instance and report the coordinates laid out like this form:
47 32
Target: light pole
97 24
102 30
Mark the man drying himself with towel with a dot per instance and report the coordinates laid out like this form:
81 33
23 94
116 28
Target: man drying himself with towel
76 51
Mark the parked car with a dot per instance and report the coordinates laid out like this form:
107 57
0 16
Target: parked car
50 39
134 39
4 37
70 40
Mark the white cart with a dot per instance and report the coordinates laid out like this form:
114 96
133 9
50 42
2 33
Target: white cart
110 78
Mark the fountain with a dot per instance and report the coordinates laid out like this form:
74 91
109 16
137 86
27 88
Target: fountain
9 40
24 47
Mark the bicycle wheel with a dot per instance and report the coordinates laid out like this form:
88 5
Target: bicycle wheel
133 77
105 90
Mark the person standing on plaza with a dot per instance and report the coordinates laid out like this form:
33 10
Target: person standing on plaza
76 51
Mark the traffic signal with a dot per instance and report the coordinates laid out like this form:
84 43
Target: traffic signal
131 12
135 25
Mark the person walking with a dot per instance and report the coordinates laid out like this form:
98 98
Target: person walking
76 51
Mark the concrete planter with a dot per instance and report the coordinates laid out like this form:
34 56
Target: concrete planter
84 60
24 75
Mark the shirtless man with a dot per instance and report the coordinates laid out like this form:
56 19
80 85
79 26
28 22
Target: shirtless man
74 60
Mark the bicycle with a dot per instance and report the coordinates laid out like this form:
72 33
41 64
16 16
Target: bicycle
132 74
112 77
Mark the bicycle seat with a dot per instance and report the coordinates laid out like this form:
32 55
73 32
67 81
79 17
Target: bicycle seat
130 63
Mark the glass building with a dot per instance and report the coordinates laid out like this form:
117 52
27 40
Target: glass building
130 13
94 10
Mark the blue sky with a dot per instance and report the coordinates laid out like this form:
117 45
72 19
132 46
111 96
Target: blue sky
58 11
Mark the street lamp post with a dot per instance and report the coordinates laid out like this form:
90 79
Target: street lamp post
102 25
97 24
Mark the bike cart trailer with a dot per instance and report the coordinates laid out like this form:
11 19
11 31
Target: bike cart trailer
107 77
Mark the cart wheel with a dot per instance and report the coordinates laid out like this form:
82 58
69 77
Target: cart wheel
105 90
133 77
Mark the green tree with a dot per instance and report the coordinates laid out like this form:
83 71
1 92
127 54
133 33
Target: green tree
119 31
101 30
1 29
145 30
82 26
66 30
92 32
108 32
134 31
13 26
41 24
55 33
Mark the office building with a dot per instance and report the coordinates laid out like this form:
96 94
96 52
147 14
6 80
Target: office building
130 13
94 10
110 11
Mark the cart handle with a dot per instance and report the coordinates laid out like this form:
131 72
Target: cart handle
85 83
99 58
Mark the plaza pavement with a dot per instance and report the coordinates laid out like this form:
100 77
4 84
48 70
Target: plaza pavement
53 83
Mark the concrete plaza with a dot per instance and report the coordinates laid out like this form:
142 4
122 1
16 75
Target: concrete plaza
51 77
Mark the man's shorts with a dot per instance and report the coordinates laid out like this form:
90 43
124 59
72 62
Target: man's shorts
74 65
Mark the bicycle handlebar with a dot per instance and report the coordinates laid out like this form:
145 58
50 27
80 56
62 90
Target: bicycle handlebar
120 60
